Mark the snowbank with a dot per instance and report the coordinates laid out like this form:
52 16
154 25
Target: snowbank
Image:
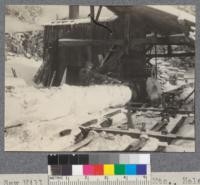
43 113
25 68
47 104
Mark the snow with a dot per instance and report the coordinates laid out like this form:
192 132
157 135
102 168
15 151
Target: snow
24 67
78 21
44 112
50 12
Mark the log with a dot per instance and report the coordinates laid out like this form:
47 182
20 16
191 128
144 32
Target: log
65 132
106 123
94 121
137 133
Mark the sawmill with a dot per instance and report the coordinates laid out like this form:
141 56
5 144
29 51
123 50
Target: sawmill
141 47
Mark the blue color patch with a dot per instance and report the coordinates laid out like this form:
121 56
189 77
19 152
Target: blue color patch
141 169
130 169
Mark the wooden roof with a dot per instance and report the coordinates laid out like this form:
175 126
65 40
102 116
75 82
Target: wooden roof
164 18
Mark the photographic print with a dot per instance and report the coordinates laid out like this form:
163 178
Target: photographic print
100 78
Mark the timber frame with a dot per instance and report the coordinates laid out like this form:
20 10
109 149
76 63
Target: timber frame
130 45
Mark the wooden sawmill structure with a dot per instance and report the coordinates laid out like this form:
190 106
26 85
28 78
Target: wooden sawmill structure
126 42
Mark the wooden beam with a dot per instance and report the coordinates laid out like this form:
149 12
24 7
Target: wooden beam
137 133
189 54
147 41
171 40
92 13
98 13
85 42
180 111
127 27
178 125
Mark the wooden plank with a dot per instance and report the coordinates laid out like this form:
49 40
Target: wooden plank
89 123
52 79
112 113
180 111
82 143
137 133
159 126
178 125
84 42
189 54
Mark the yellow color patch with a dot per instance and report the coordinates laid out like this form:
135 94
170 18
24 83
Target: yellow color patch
108 169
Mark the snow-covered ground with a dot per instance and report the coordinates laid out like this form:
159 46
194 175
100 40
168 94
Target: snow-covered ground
42 112
24 67
34 116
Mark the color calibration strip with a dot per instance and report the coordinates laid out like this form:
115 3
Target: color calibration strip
98 165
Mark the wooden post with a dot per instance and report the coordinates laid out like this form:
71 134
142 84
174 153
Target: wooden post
98 13
89 48
73 11
92 13
134 59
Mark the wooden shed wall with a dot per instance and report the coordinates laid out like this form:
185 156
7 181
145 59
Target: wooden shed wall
75 55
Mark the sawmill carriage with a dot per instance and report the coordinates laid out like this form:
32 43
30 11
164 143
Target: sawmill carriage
119 47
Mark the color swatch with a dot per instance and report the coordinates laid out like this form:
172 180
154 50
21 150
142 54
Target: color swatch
109 169
91 165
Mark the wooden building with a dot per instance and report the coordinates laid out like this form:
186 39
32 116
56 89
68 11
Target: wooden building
124 42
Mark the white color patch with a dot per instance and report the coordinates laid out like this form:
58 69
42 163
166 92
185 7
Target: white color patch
77 170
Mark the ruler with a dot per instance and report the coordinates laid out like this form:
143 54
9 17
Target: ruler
99 180
156 178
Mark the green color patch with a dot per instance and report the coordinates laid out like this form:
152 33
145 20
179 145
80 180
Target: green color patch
119 169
